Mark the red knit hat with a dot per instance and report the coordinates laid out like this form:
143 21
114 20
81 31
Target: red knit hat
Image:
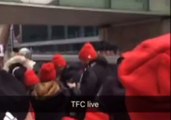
48 72
88 53
145 71
59 61
97 116
31 78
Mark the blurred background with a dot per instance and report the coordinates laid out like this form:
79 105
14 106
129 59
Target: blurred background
63 26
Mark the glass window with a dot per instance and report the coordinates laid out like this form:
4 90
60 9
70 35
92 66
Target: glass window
96 31
71 48
74 32
58 32
33 33
66 49
89 31
45 49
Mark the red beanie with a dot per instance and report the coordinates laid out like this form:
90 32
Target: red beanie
48 72
145 71
31 78
88 53
97 116
59 61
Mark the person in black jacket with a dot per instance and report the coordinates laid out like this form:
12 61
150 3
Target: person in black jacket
14 100
100 79
96 69
17 66
68 75
48 97
71 76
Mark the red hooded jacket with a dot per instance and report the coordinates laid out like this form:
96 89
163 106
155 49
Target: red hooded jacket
145 71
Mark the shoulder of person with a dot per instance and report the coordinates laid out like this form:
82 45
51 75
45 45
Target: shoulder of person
14 60
100 61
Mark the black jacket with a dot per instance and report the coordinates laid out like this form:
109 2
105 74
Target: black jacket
94 76
100 81
13 96
71 74
49 109
18 71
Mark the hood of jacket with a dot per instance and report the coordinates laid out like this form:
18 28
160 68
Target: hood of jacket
29 64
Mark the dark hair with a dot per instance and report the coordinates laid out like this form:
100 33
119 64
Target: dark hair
71 74
16 50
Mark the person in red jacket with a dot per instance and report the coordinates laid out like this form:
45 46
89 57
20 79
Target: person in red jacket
145 71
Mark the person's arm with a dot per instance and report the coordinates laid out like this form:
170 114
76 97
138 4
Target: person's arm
88 83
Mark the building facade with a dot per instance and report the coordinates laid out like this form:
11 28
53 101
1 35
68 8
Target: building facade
65 25
52 39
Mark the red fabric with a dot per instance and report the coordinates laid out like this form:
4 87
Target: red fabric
145 71
96 116
33 115
68 118
48 72
59 61
31 78
88 53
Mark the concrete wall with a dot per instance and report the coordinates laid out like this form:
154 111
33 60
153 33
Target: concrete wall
127 36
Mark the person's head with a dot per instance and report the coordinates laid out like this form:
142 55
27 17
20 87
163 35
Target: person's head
71 76
48 72
88 53
14 52
31 78
45 85
26 53
145 71
59 62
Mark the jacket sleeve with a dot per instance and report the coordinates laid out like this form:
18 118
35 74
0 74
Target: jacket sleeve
88 83
18 73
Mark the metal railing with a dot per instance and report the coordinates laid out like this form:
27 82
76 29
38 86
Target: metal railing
69 58
59 42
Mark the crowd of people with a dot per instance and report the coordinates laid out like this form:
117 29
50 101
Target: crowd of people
143 71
